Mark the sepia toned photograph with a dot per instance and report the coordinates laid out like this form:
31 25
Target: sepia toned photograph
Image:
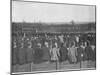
52 37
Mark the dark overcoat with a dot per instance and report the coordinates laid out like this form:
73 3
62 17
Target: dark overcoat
14 56
29 55
89 52
38 55
46 54
63 53
21 56
80 54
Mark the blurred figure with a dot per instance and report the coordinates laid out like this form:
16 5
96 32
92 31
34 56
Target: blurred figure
61 38
93 46
38 54
55 53
29 52
46 53
88 51
63 53
14 53
80 53
94 52
72 53
21 53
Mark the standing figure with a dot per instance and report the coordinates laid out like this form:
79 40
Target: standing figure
72 53
80 53
94 51
29 52
46 52
55 53
21 53
14 53
38 54
63 53
88 51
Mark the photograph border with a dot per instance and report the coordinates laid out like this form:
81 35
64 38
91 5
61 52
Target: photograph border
50 70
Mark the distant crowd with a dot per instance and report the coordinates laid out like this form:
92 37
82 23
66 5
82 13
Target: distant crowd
53 48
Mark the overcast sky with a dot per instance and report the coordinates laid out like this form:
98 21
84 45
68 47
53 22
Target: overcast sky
44 12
